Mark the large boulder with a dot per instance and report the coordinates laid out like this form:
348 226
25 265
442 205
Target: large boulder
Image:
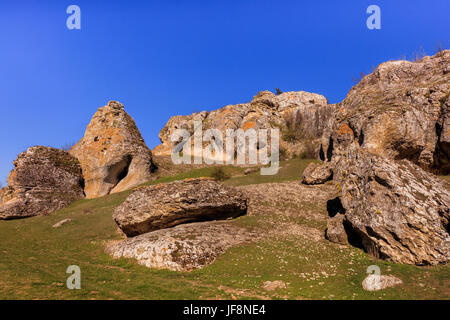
44 180
393 209
300 116
168 204
375 282
112 153
182 248
399 111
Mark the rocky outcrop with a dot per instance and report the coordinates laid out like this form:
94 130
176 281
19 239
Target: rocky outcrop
399 111
44 180
393 209
166 205
182 248
317 173
112 153
300 116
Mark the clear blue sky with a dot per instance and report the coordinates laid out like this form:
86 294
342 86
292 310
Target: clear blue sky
163 58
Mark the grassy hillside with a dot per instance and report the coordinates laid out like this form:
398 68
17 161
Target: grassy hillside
34 257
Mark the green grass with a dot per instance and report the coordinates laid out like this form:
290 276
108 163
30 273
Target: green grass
34 257
197 173
289 170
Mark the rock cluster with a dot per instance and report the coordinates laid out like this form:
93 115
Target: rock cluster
299 116
399 111
391 127
167 221
112 153
44 180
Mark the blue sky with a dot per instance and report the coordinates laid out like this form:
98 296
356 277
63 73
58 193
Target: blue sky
163 58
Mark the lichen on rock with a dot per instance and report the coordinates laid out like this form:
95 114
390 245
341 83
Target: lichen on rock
393 209
112 153
168 204
44 179
399 111
182 248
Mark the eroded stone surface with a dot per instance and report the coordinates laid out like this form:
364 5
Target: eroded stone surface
184 247
399 111
303 113
112 153
317 173
379 282
44 180
396 210
168 204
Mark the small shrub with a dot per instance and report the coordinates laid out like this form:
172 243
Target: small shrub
289 135
283 154
309 151
278 91
358 79
418 54
219 174
68 146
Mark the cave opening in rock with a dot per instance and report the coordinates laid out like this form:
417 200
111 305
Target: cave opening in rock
361 138
118 171
334 206
82 185
153 167
353 237
321 153
123 173
330 149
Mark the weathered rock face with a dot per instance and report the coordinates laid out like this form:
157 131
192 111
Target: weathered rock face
399 111
44 180
169 204
393 209
182 248
298 115
112 153
317 173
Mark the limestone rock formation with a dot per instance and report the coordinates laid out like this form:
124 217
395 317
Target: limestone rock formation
112 153
317 173
300 116
168 204
44 180
394 209
182 248
399 111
